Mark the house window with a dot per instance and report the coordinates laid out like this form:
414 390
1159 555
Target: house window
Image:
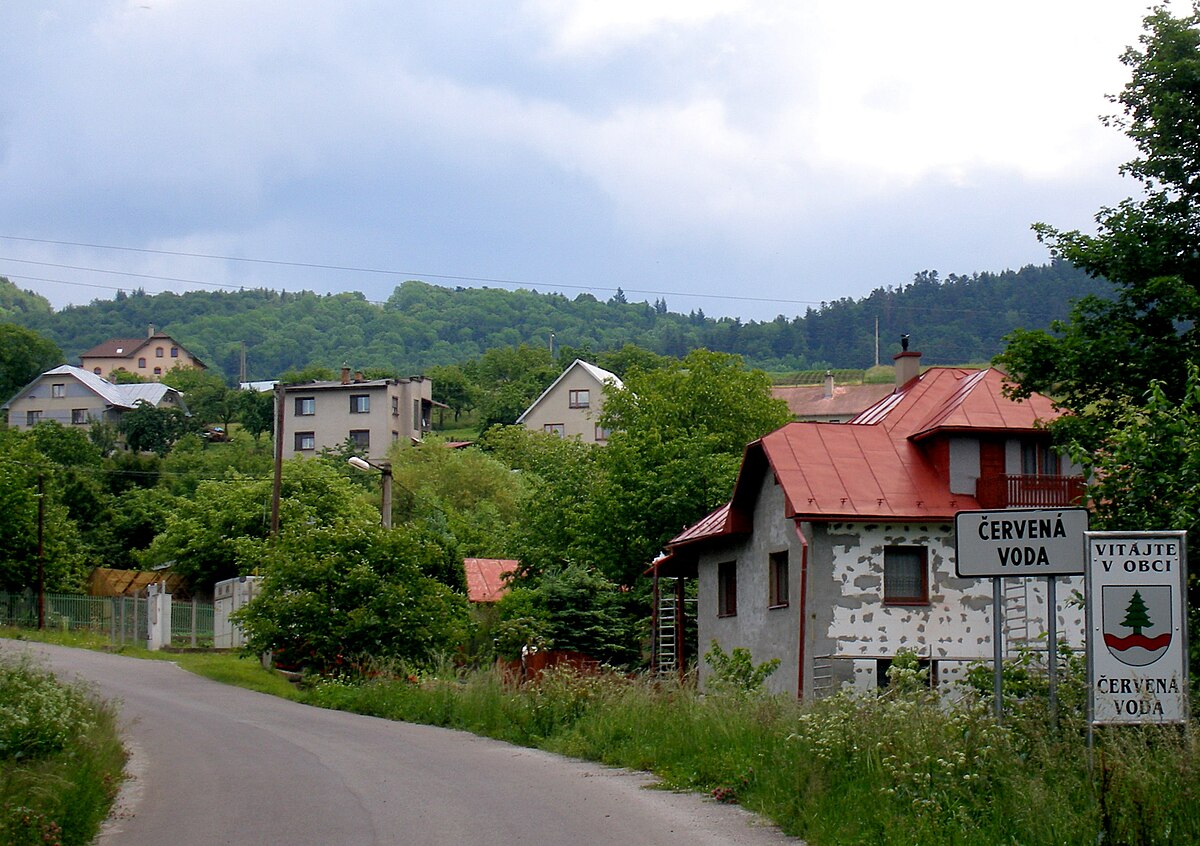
778 579
905 575
360 403
306 406
306 441
555 429
158 371
417 415
96 370
395 436
361 438
174 352
579 399
1039 460
158 352
58 391
32 418
395 406
602 432
142 363
79 416
727 589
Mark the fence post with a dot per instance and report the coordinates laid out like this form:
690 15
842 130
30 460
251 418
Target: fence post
193 622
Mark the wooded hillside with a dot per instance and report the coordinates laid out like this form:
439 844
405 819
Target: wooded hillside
953 320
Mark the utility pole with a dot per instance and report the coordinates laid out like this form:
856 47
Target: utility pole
277 485
41 568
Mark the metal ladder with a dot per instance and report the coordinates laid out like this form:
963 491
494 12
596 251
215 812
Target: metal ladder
1016 616
666 645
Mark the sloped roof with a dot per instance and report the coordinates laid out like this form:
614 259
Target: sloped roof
128 347
123 347
485 577
874 468
602 377
847 400
118 396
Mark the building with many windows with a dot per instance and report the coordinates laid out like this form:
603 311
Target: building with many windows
371 413
149 357
73 396
837 547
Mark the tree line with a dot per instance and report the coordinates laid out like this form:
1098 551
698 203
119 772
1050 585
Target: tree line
958 318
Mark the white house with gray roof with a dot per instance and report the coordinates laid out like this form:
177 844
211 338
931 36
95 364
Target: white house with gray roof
73 396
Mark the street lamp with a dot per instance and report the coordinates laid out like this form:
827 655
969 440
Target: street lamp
385 470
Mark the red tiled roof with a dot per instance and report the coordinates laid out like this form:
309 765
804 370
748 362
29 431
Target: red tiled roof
485 577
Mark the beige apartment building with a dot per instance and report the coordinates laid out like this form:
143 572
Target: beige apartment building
149 357
373 413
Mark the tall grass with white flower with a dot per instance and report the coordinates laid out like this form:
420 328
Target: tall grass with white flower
61 759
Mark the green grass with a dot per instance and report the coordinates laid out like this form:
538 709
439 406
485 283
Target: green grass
61 759
901 768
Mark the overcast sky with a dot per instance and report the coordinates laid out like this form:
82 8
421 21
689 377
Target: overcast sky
746 158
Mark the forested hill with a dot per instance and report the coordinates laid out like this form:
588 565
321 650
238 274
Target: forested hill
954 320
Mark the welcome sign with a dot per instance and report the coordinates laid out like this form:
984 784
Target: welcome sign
1137 637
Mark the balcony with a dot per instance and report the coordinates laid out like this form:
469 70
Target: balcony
1024 491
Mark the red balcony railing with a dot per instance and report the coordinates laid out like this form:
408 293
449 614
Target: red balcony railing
1025 491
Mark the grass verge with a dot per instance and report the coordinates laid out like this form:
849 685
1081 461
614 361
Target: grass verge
61 759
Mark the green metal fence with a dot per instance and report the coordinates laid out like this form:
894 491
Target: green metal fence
121 618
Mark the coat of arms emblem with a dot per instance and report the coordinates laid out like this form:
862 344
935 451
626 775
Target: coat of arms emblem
1137 622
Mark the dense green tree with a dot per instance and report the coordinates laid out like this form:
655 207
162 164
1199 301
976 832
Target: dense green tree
678 434
256 411
21 467
574 609
558 477
452 388
147 428
224 531
338 599
208 398
509 380
473 497
24 355
1110 350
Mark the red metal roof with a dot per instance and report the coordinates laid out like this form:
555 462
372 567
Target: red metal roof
874 468
485 577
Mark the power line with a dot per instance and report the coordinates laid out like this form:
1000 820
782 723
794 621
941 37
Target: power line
409 274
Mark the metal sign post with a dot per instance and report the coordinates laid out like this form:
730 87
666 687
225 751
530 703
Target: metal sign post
1021 542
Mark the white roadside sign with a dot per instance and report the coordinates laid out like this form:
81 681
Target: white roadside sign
1020 542
1137 627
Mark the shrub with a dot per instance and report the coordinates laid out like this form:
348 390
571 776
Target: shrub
38 716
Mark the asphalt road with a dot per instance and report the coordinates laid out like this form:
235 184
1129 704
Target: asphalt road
213 764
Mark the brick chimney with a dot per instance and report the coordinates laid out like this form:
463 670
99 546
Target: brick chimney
828 384
345 374
908 367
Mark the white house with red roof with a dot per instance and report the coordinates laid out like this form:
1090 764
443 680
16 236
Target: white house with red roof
836 549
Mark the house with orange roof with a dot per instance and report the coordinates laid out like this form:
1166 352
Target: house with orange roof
149 357
836 549
487 578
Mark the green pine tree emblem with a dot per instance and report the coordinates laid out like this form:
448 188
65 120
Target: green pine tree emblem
1136 614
